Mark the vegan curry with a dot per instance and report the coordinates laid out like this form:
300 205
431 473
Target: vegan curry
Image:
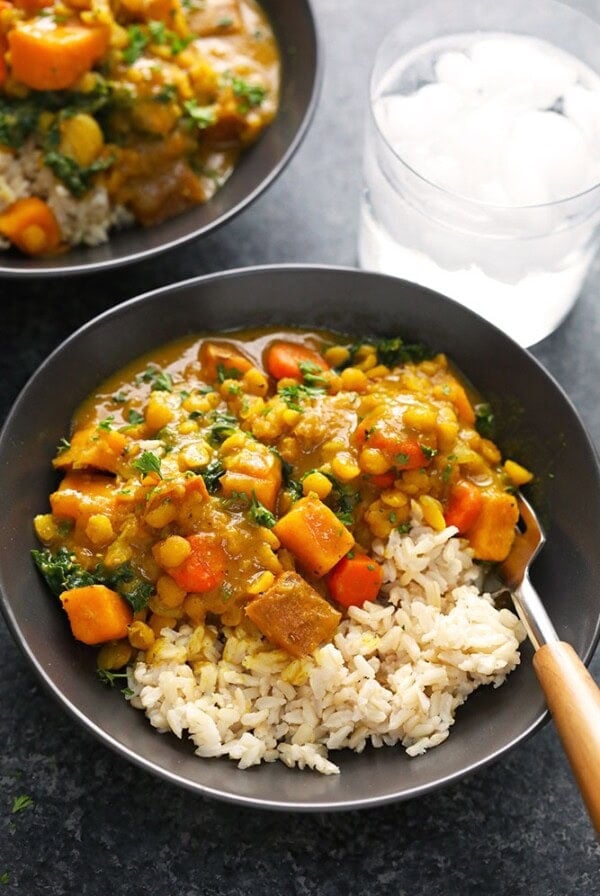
246 478
150 100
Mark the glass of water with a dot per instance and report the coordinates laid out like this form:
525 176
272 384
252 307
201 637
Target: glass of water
482 158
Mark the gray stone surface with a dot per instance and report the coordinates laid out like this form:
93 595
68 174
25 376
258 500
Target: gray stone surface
98 825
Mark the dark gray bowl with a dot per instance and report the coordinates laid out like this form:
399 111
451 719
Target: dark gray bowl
540 427
295 29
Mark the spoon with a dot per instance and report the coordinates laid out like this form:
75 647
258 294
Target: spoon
572 695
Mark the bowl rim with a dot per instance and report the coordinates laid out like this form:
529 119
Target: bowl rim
151 766
13 271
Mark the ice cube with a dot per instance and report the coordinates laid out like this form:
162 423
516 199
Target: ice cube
582 106
522 70
457 70
547 148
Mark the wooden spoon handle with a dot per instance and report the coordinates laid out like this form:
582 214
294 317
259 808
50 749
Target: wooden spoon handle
573 698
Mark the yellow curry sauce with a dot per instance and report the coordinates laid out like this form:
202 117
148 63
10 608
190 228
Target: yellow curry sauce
246 477
153 100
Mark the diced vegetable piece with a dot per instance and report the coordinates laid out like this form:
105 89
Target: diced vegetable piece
314 534
50 56
383 480
355 580
253 471
464 506
492 534
96 613
452 391
284 359
83 494
293 615
517 474
383 429
29 224
204 567
92 447
220 360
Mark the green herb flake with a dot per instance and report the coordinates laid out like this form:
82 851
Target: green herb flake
138 41
159 380
227 373
199 116
134 418
259 514
211 475
249 95
485 421
107 423
63 446
21 802
146 463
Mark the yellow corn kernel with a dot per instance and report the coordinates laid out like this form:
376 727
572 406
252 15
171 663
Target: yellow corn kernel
433 513
263 581
269 538
268 559
369 362
233 443
255 382
169 592
157 622
332 447
114 655
393 498
378 520
415 482
195 607
117 553
188 427
336 355
344 467
379 371
422 419
198 404
318 483
297 672
158 412
140 635
490 451
517 474
354 380
81 138
291 417
162 515
45 527
373 461
172 551
99 529
289 449
194 456
447 434
157 607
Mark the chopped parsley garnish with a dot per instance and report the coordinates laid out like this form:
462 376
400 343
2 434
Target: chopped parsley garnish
77 178
107 423
402 459
312 374
159 380
249 95
293 395
223 426
428 451
259 514
390 352
343 500
134 418
111 678
63 446
199 116
138 41
227 373
146 463
166 94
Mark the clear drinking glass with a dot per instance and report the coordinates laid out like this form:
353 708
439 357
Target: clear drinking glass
486 187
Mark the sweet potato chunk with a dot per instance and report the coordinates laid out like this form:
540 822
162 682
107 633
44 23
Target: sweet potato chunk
293 615
314 534
492 534
81 494
92 447
96 613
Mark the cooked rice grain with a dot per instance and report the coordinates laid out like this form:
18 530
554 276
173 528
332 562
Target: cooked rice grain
396 671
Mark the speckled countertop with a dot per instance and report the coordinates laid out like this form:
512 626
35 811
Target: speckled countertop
97 825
